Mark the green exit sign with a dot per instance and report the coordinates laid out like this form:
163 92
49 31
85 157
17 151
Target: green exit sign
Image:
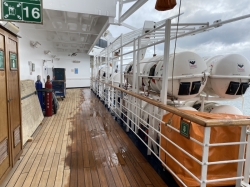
185 129
28 11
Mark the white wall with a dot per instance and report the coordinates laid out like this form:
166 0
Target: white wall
36 55
26 54
82 79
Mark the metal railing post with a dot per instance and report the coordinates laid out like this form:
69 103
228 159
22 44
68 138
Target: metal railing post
241 155
247 164
155 126
128 114
204 167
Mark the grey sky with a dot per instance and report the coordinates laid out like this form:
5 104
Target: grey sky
230 38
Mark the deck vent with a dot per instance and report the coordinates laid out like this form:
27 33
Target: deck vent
3 150
17 136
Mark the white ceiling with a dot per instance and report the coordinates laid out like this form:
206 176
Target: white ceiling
67 32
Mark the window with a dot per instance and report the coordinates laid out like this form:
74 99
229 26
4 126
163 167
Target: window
13 61
1 60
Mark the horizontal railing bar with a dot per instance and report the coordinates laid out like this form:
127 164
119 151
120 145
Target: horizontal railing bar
189 24
140 119
226 162
224 179
199 120
150 61
149 76
225 144
191 138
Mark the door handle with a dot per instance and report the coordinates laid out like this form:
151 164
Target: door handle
9 100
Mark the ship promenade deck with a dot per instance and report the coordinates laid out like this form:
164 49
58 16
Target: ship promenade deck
82 145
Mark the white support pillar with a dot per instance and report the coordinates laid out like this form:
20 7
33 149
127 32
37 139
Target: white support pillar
137 112
134 82
241 155
113 71
164 91
121 74
205 153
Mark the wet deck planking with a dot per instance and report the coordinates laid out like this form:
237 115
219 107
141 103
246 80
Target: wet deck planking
82 145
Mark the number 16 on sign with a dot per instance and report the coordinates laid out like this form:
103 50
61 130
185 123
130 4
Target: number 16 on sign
31 12
22 11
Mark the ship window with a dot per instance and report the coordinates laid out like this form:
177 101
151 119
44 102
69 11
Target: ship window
243 88
232 88
195 87
104 74
184 88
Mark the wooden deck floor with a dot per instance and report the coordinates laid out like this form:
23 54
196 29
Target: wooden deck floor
81 146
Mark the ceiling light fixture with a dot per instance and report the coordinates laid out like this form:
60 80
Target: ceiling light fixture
12 27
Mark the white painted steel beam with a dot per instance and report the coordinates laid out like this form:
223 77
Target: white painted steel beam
132 9
128 1
164 91
104 28
125 25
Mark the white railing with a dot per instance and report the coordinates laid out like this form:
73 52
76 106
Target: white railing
128 107
131 109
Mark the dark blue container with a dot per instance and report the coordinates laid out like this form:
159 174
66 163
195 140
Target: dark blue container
59 74
39 87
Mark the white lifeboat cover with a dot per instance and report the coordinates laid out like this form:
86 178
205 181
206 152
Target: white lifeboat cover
224 69
226 109
188 67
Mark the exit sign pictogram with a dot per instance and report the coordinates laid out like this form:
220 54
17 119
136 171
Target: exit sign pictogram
28 11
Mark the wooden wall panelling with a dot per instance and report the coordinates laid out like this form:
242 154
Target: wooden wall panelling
5 158
13 89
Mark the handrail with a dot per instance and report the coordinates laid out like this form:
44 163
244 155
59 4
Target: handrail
199 120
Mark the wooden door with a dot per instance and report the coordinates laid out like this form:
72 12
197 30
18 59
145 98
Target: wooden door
13 90
5 140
